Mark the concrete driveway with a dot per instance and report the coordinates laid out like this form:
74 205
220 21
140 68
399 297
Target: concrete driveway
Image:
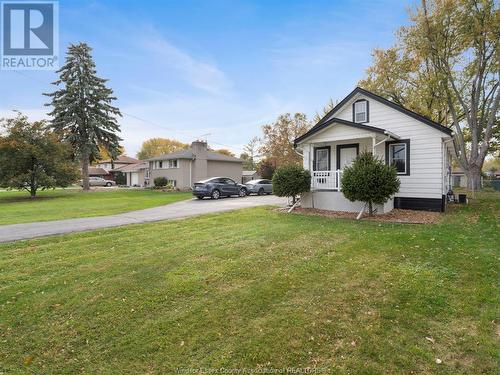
172 211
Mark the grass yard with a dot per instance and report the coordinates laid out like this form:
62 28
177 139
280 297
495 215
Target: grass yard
257 288
17 207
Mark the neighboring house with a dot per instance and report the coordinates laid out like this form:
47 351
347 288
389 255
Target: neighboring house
459 178
420 149
136 174
249 176
119 162
185 167
113 166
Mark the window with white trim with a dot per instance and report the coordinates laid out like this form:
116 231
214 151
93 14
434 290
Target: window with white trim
322 159
173 163
398 157
360 111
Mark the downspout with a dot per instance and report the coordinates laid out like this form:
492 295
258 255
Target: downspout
191 173
449 164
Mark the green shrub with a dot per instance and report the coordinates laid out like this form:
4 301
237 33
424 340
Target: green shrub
369 180
120 178
160 182
290 181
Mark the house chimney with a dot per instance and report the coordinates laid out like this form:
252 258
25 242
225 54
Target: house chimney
200 164
200 149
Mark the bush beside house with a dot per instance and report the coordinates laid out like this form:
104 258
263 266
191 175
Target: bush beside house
290 181
369 180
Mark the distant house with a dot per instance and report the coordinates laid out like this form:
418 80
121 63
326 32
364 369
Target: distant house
420 149
137 175
185 167
119 162
114 166
248 176
459 178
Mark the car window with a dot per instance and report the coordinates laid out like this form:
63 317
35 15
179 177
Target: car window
229 181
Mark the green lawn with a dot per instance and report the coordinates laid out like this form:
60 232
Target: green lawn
18 207
257 288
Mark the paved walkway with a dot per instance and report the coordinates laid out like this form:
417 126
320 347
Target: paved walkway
172 211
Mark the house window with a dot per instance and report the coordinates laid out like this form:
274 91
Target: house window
172 183
322 159
172 163
160 165
398 155
360 111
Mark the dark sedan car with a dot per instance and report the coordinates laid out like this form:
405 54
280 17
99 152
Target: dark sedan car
217 187
260 187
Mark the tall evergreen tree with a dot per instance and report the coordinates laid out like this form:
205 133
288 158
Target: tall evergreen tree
82 110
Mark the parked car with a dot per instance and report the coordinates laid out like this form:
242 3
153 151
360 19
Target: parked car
98 181
260 187
217 187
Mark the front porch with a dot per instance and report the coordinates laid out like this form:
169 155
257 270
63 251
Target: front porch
328 152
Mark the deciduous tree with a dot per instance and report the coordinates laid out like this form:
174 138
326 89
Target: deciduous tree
83 113
159 146
446 65
33 158
224 151
251 150
277 142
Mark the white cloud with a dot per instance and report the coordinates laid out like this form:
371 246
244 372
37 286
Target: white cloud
203 75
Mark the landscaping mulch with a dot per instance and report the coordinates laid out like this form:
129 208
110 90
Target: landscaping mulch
395 216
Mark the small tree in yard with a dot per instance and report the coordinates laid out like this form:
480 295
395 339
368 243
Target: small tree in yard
369 180
290 181
33 158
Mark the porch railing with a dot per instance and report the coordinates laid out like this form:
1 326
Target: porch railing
326 180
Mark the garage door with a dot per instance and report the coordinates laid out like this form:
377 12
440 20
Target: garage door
134 178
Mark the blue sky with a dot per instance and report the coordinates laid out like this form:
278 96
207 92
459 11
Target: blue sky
181 69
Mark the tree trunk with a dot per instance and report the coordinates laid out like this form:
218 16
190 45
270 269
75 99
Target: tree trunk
370 208
33 192
85 172
473 178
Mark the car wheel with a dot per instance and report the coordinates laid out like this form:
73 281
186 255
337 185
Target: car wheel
243 192
108 184
261 191
215 194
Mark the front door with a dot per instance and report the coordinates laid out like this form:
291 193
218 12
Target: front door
346 155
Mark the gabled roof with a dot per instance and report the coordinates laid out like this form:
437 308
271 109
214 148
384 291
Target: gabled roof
188 154
133 167
181 154
96 171
397 107
221 157
124 159
321 126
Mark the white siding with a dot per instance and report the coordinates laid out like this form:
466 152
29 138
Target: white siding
426 148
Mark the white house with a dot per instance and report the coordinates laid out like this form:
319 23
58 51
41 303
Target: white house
420 149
